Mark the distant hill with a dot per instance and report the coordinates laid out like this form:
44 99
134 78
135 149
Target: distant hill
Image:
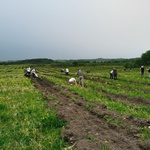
98 60
50 61
30 61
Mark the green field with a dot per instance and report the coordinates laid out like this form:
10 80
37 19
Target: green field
27 124
24 118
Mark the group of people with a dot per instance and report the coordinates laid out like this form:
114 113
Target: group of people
72 80
65 71
142 70
30 72
113 74
80 75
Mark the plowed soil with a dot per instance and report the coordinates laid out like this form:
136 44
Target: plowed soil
88 127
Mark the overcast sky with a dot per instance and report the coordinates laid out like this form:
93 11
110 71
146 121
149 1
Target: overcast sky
74 29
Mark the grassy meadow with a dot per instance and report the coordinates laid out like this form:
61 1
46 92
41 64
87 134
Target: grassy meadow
25 121
27 124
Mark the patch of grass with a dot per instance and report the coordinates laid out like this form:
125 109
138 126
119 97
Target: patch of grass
25 121
73 99
113 120
90 107
50 121
90 137
3 107
105 146
144 133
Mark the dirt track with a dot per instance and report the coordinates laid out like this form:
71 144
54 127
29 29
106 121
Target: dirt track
88 128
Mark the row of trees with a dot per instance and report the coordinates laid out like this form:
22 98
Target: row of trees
29 61
127 63
145 58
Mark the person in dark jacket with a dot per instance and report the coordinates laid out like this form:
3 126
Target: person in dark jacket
142 70
115 73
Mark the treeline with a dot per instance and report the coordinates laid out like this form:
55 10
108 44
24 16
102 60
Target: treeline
67 62
95 62
127 63
29 61
145 58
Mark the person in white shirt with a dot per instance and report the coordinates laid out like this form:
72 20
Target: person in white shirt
142 70
111 74
72 81
28 72
67 71
34 74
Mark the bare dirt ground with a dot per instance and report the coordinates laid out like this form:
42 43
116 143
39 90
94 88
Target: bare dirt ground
88 127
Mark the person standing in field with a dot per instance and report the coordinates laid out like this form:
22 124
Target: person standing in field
148 72
115 73
81 78
142 70
67 71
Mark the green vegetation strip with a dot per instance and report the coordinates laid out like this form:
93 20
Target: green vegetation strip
25 121
92 95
